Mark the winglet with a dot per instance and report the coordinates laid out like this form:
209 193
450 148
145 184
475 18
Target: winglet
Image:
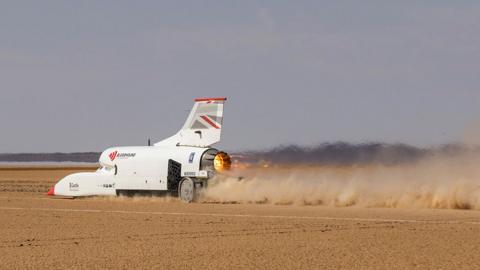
211 99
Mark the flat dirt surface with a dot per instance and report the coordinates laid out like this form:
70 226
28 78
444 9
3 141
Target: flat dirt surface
37 231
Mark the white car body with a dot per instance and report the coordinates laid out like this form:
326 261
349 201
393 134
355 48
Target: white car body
187 157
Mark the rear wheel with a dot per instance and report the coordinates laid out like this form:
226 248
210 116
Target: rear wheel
186 190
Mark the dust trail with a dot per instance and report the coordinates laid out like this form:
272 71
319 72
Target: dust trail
439 182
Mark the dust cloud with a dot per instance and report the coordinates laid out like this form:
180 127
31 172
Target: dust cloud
448 182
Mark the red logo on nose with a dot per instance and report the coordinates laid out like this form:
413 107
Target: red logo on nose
113 155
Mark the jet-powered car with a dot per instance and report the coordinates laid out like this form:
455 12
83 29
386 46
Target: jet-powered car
179 165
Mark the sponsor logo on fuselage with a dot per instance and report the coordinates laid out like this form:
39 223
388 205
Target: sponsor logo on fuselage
117 155
190 174
73 186
126 155
192 156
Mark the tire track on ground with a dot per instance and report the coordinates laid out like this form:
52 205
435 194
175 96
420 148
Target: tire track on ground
97 211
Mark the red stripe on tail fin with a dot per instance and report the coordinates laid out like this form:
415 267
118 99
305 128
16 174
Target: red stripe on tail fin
204 117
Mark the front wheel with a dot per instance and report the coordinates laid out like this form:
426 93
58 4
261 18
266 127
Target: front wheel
186 190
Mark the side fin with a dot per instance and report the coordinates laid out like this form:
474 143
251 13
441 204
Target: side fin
203 127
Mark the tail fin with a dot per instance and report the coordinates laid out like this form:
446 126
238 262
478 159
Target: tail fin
203 126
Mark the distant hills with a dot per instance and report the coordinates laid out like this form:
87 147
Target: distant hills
339 153
51 157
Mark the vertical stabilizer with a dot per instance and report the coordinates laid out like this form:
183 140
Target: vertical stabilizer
203 127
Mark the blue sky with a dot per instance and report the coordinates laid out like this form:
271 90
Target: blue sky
86 75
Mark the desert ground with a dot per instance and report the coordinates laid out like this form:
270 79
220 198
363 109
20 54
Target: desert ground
37 232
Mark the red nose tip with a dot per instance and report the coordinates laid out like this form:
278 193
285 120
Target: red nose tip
51 191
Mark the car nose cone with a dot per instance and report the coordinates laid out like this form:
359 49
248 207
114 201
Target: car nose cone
51 191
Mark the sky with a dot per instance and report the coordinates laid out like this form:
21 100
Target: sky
87 75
